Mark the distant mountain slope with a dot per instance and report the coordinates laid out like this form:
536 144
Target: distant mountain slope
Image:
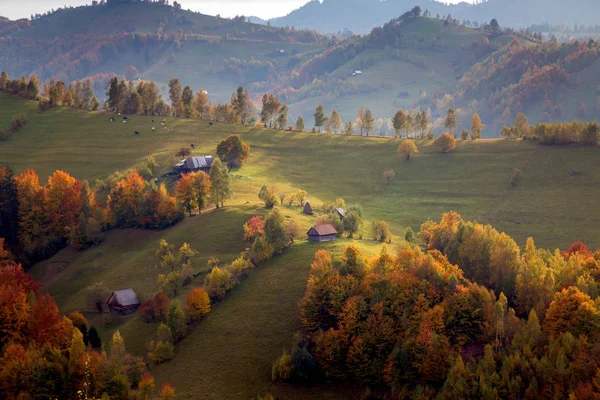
361 16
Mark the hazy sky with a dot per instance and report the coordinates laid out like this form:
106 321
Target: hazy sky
14 9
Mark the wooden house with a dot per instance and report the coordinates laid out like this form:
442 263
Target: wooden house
123 302
194 164
322 233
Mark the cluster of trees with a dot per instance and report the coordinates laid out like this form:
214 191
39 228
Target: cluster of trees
575 132
134 202
270 236
28 89
174 319
37 220
144 98
472 317
46 355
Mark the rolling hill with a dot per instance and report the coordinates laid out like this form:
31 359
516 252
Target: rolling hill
244 333
331 16
410 62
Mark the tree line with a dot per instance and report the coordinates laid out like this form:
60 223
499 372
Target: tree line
473 317
575 132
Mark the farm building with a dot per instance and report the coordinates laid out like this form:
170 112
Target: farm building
195 164
340 212
357 72
308 209
322 233
123 302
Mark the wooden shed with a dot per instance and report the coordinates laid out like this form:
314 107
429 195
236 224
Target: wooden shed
322 233
193 164
340 212
308 209
123 302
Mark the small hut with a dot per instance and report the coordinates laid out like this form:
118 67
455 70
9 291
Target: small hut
322 233
340 212
123 302
308 209
194 164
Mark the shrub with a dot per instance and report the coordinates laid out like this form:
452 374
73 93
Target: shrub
516 177
261 250
254 227
160 348
241 266
282 368
218 283
409 235
155 310
445 142
381 231
18 121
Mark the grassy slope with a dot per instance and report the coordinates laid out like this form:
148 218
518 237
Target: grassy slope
380 68
248 330
474 180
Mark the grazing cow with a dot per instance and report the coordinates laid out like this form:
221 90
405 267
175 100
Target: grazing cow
124 121
152 121
210 123
193 146
119 114
112 119
125 118
152 129
137 133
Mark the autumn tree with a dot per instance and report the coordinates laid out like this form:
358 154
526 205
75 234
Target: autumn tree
242 104
201 103
335 121
160 348
275 232
184 190
572 311
254 227
450 121
476 127
348 129
407 149
175 94
399 122
292 230
197 304
521 125
368 121
445 142
233 151
9 206
220 188
300 124
270 106
282 119
381 231
268 195
320 117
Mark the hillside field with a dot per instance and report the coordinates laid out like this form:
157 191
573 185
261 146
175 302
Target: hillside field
229 354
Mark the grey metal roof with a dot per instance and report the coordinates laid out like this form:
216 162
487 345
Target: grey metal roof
341 212
126 297
198 162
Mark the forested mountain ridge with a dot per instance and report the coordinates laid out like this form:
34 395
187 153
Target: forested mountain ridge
413 62
361 15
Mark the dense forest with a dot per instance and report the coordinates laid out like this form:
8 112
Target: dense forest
471 317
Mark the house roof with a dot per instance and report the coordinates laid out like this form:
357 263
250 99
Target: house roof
198 162
341 211
322 230
126 297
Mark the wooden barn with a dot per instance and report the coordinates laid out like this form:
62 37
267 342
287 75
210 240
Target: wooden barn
123 302
322 233
193 164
